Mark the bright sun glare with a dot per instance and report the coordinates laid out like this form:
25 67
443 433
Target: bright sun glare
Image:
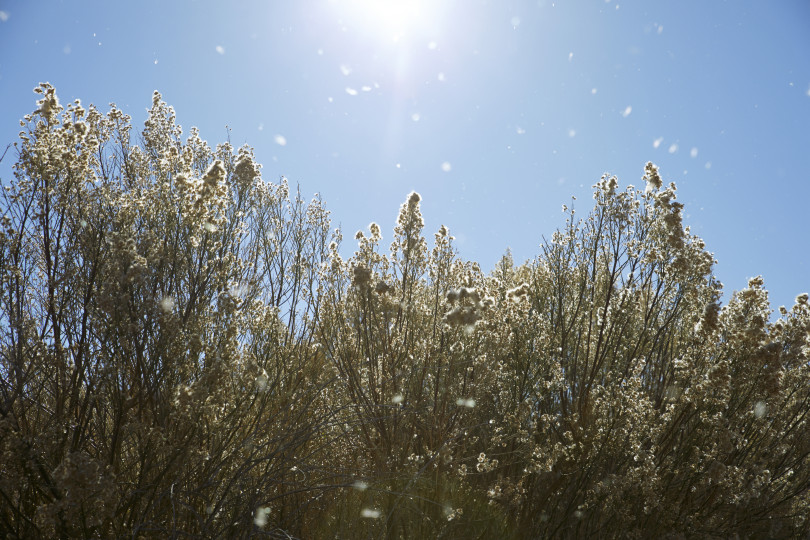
389 20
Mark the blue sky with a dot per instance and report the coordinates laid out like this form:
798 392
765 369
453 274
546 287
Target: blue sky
496 112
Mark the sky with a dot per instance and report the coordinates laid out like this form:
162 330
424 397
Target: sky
496 112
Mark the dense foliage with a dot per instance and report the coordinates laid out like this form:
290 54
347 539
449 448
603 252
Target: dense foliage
185 353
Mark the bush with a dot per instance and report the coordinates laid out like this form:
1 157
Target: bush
185 352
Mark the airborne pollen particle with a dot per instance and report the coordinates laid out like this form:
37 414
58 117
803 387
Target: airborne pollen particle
167 304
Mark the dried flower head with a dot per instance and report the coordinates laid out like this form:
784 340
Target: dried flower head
361 276
215 174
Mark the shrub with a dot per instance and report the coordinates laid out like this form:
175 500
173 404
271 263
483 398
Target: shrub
185 351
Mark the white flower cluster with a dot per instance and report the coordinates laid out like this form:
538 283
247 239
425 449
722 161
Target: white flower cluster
467 304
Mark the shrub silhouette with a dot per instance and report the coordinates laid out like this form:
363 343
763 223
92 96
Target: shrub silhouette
185 352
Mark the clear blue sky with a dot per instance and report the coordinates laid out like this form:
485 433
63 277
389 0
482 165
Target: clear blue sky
496 112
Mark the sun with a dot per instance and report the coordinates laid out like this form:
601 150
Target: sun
393 18
388 20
